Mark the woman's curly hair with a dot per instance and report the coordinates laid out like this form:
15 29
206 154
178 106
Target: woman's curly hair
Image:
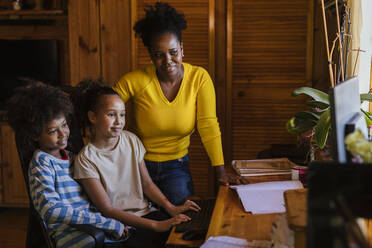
32 107
160 18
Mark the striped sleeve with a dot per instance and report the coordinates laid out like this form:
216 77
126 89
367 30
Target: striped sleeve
55 209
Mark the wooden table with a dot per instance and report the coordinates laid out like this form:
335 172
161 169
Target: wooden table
296 208
229 218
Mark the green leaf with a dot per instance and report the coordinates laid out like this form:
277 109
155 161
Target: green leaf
321 129
367 116
299 125
308 115
366 97
317 95
317 104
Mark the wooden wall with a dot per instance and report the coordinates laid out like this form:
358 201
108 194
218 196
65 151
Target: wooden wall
269 55
100 39
257 52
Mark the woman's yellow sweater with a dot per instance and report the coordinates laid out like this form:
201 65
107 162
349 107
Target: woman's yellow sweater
165 127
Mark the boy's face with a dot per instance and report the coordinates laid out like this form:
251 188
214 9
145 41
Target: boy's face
109 118
54 136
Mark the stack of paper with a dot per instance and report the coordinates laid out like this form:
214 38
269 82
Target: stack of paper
263 198
263 167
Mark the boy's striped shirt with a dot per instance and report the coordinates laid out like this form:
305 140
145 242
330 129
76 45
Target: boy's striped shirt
60 201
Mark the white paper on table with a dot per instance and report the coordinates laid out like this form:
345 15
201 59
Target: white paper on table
225 242
267 197
232 242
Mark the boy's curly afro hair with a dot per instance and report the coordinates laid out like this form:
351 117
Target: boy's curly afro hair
32 107
160 18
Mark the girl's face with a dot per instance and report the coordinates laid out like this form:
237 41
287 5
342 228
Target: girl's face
54 136
109 118
166 54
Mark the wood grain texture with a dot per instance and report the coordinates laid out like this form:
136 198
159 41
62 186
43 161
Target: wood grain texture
59 31
13 227
220 69
84 40
229 218
296 208
14 192
115 39
269 55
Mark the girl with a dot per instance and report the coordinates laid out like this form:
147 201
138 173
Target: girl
112 170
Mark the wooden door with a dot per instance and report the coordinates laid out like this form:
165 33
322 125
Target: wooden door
198 44
269 54
115 30
13 183
84 40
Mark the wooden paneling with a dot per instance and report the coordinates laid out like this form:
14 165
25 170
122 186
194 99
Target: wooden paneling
268 56
198 48
1 176
64 62
13 227
57 31
115 39
85 60
220 69
15 192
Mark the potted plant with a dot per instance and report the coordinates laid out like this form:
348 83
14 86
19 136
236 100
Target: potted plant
315 122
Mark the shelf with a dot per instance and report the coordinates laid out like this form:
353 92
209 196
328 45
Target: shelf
35 15
32 12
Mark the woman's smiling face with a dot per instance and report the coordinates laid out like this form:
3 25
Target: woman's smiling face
166 53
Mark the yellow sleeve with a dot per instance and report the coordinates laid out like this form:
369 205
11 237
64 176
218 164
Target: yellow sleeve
122 88
207 123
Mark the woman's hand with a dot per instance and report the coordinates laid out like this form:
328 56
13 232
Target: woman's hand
165 225
224 178
188 205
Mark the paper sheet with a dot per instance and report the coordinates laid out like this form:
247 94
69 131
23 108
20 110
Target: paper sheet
232 242
263 198
225 242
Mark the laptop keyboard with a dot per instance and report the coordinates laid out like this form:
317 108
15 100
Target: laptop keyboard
199 220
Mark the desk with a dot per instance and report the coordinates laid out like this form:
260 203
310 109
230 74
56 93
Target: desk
296 208
230 219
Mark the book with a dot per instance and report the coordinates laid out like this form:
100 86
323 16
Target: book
263 167
264 198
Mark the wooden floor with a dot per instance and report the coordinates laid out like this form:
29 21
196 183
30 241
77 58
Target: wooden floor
13 226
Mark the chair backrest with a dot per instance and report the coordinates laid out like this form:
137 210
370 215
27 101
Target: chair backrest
36 226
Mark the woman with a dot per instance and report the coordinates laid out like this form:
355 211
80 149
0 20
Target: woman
169 96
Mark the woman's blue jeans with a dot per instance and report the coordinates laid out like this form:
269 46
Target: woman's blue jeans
173 178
